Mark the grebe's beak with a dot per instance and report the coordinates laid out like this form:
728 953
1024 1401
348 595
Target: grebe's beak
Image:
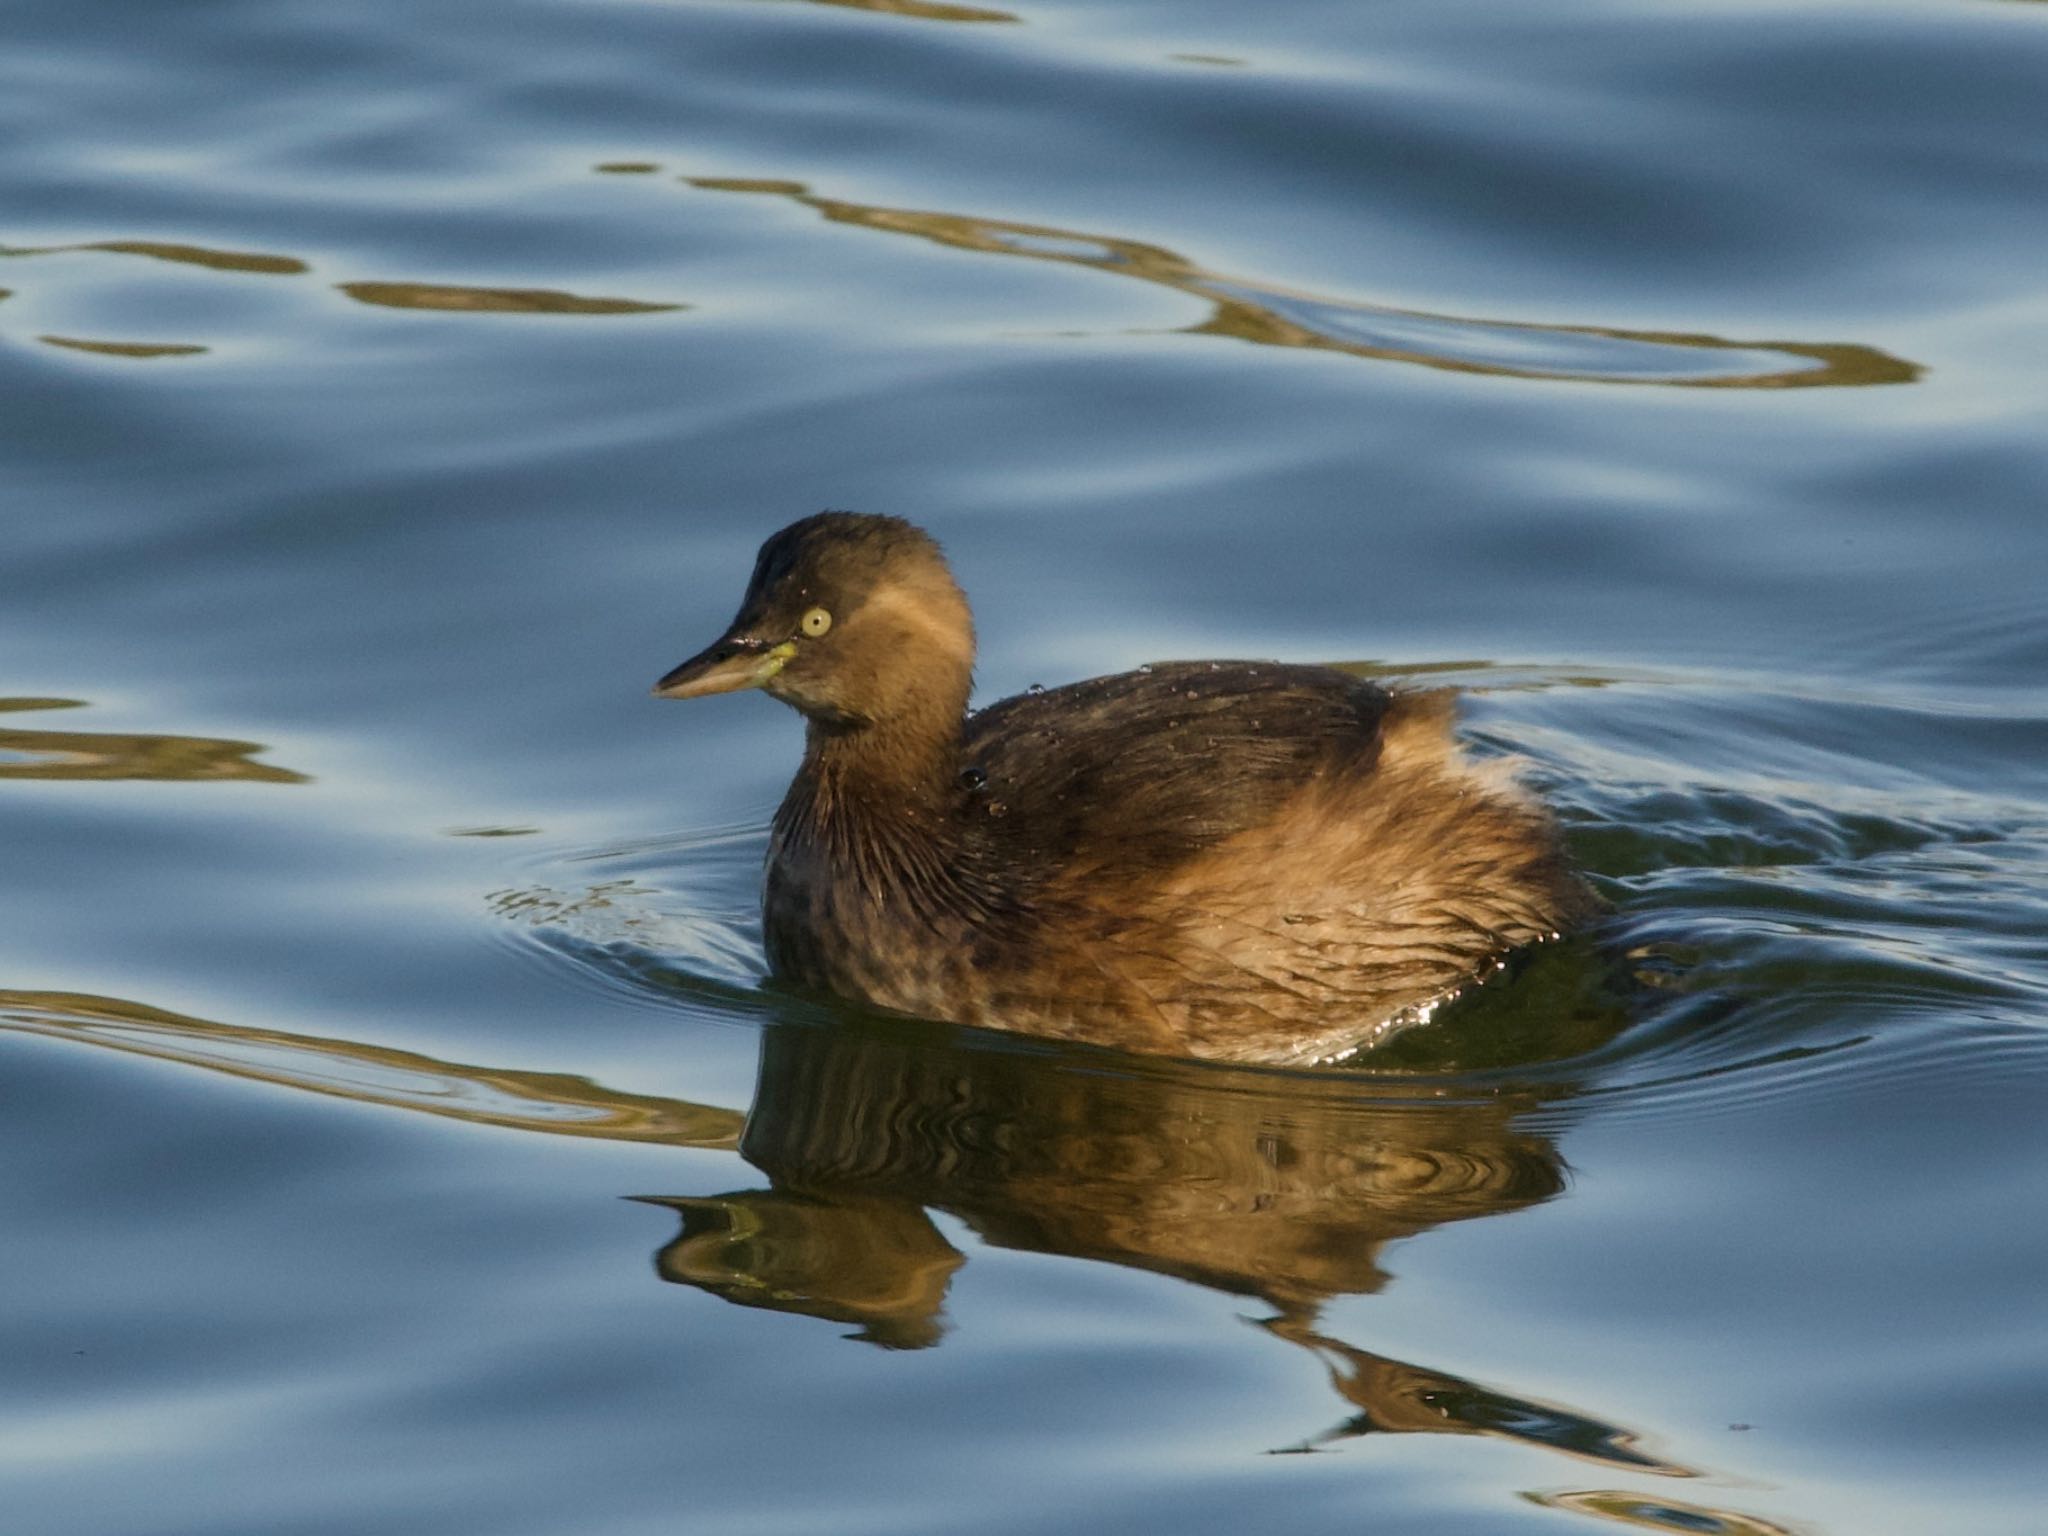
726 666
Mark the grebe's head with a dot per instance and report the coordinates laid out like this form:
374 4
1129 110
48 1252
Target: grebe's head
852 619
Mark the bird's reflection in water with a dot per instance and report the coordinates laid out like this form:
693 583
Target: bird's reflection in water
1284 1188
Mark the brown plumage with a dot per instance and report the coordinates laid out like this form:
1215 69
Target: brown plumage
1240 860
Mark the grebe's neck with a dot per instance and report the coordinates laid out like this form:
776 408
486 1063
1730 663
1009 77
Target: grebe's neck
876 799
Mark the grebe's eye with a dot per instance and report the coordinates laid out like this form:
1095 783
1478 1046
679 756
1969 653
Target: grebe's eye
816 622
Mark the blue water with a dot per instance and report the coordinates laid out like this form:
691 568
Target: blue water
400 1133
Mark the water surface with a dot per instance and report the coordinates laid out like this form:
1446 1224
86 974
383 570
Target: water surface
403 1134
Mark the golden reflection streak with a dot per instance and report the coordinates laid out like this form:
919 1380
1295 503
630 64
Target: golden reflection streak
113 755
185 255
504 301
924 10
1254 312
554 1102
1657 1514
126 348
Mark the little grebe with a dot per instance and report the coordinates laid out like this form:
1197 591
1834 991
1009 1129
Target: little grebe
1245 861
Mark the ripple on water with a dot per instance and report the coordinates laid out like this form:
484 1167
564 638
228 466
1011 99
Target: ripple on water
72 285
1835 905
64 280
659 921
